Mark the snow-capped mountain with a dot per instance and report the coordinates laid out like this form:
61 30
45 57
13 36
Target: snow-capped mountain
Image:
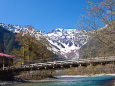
18 29
65 42
68 41
13 28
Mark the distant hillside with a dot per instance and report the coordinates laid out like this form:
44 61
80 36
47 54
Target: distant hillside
101 43
7 41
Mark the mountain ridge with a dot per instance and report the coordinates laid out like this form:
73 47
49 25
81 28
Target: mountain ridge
69 41
65 42
7 41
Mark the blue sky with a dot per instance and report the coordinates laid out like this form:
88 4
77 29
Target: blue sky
44 15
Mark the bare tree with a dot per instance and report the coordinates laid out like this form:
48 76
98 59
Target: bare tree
100 21
100 13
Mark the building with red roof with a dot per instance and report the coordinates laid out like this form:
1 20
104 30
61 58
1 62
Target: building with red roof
6 60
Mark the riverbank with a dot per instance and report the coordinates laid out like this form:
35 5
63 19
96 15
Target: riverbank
88 75
9 82
56 79
87 70
50 75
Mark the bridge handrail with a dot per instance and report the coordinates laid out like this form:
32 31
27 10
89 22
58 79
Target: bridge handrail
107 58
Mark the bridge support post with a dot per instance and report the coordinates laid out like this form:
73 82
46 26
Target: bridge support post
91 64
61 66
101 63
80 65
62 69
70 66
3 64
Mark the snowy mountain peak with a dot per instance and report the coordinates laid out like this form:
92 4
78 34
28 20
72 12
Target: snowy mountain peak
59 29
13 28
18 29
68 41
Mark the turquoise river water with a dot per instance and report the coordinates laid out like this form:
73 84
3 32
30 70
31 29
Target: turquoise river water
75 81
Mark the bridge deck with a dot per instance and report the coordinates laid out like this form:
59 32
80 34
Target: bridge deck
62 64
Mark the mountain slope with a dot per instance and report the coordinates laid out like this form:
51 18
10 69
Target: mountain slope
7 41
68 41
101 43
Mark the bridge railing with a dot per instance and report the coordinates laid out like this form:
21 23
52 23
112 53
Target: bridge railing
52 63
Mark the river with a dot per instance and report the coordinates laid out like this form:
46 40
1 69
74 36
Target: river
75 81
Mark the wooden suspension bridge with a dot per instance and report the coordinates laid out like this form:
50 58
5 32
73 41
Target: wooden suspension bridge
9 73
62 64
